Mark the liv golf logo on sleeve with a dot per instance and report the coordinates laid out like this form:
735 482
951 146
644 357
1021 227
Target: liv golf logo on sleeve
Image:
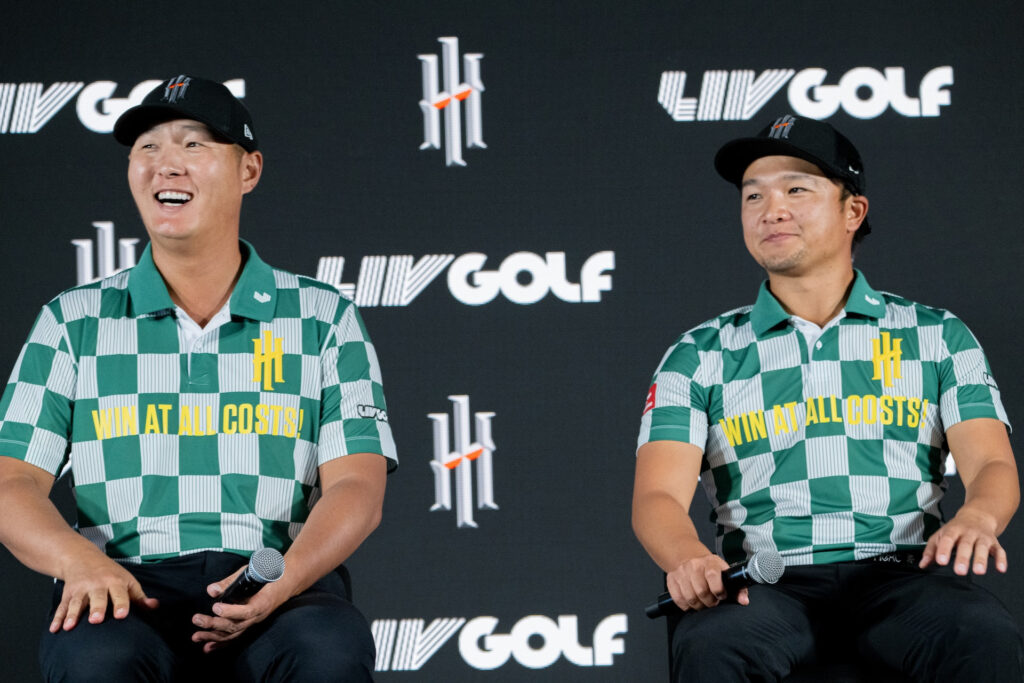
478 452
456 92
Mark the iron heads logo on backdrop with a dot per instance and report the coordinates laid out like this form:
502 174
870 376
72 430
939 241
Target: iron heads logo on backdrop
104 254
27 107
456 93
523 278
863 92
468 453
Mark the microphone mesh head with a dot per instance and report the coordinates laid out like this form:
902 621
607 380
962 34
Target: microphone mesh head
765 566
267 564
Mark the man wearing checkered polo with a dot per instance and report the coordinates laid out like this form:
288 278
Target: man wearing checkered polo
207 406
818 421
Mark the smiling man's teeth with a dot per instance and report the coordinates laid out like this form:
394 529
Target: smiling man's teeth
168 197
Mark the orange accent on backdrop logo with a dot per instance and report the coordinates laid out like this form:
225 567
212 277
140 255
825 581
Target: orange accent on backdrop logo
472 455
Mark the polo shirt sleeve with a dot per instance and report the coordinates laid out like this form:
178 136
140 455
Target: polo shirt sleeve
353 412
36 407
677 405
967 389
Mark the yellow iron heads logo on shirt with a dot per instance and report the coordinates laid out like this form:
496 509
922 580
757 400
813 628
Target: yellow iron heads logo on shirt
885 354
268 360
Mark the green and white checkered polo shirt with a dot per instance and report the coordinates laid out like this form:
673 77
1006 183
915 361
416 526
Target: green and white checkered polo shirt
829 453
176 450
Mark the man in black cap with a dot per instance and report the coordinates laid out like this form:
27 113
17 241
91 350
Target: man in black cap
819 421
208 406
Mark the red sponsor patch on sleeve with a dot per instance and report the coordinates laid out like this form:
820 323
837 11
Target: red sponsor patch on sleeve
649 404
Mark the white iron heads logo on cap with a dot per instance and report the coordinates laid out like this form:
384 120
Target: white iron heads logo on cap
176 88
781 127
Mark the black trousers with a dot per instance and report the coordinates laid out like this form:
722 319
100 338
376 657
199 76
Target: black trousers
316 636
929 624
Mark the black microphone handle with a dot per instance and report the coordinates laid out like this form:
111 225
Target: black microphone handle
734 579
241 589
265 566
663 606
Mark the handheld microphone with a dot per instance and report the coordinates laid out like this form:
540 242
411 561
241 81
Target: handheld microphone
265 566
764 566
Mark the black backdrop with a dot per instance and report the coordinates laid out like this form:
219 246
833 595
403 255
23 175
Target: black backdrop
580 158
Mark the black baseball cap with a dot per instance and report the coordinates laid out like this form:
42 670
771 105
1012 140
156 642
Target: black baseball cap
808 139
189 97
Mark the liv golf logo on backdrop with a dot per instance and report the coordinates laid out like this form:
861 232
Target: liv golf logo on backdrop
27 107
449 101
863 93
523 278
469 454
536 641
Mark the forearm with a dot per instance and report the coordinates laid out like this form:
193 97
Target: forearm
341 520
993 493
35 532
666 531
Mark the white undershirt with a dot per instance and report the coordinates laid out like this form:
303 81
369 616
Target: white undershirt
812 333
189 330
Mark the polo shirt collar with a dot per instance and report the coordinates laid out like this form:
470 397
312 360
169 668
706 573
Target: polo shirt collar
147 288
767 312
254 297
864 300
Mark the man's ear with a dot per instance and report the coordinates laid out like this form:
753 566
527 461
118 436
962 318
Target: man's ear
251 166
856 211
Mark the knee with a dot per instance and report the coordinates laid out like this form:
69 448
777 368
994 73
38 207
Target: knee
307 663
982 642
711 648
691 646
313 644
92 657
989 640
332 659
347 665
983 626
